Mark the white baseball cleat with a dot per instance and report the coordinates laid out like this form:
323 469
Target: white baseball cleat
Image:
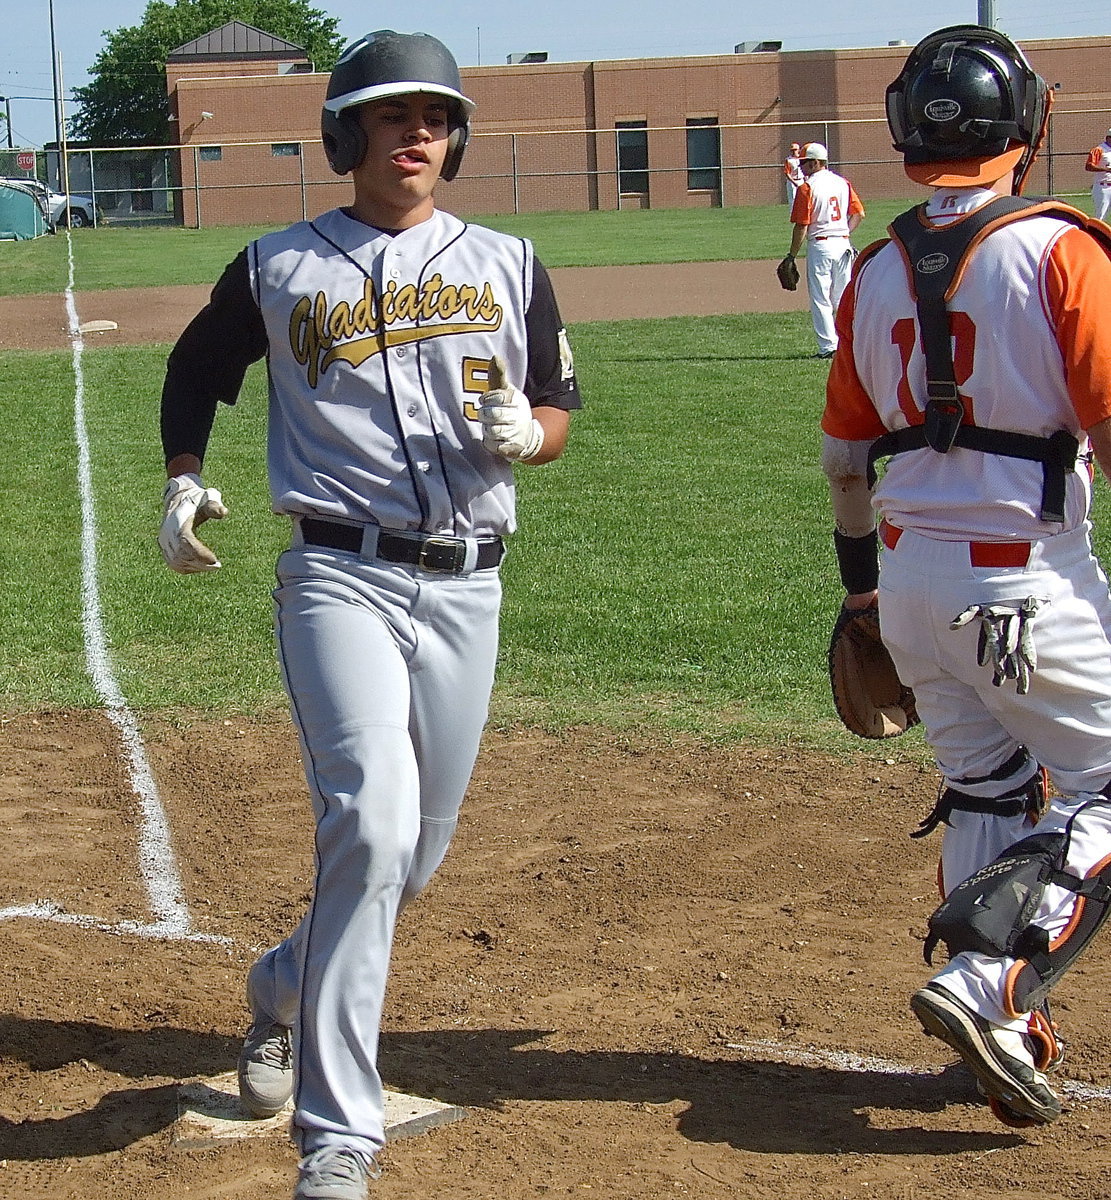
999 1058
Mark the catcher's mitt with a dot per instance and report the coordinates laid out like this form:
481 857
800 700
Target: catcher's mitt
870 699
788 273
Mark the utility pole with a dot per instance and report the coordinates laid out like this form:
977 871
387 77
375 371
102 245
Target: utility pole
7 101
986 13
58 118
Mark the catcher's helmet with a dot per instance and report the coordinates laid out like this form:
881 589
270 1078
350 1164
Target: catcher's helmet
967 108
383 64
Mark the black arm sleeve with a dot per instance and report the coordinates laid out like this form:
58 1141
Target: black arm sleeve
208 363
550 378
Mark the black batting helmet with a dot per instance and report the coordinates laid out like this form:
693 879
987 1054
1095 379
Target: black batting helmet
967 108
383 64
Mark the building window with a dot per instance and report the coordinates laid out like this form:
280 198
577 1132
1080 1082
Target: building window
211 153
632 156
703 154
285 149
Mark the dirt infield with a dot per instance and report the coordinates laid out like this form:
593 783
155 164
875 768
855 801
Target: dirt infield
646 969
585 294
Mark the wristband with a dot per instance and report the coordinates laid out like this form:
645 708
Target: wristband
858 559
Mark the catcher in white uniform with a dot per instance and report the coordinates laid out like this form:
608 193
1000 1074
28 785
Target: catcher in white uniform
991 392
412 360
825 211
1099 162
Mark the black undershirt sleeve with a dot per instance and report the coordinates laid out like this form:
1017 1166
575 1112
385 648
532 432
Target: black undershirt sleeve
549 379
207 365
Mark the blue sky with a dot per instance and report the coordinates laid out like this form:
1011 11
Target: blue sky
488 31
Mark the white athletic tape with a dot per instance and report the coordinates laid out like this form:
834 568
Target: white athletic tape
847 1060
156 857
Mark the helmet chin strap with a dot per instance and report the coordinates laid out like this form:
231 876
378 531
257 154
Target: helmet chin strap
1027 160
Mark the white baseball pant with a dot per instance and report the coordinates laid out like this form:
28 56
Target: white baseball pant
1101 198
1064 720
389 672
829 262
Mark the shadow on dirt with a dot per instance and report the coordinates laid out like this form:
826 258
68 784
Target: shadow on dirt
760 1106
119 1117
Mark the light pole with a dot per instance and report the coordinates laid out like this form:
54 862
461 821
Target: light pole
986 13
8 118
58 118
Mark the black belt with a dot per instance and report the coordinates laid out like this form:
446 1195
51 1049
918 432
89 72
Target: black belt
429 551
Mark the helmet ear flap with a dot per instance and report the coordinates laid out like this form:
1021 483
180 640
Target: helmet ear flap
456 144
344 140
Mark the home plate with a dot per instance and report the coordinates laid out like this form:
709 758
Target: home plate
209 1113
97 326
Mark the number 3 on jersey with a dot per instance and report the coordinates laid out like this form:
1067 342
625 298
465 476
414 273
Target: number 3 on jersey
962 330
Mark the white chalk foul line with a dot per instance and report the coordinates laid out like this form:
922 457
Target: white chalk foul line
847 1060
156 857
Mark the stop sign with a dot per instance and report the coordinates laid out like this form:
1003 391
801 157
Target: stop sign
25 160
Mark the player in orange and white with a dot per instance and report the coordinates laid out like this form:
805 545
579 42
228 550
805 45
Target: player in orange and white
793 172
825 211
1099 162
994 406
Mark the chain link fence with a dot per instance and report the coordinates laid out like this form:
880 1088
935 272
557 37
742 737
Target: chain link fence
635 166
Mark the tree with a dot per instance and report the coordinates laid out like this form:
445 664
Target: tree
126 102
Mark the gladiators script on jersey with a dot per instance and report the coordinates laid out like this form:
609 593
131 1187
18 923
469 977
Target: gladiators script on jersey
321 334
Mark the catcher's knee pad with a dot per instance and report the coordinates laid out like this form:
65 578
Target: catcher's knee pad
1028 797
992 913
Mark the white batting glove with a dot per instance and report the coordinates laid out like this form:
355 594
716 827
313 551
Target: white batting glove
186 503
508 426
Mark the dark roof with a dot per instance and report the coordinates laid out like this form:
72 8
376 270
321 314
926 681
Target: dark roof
235 40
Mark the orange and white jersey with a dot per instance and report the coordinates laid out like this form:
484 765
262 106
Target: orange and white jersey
824 204
1099 160
793 171
1031 351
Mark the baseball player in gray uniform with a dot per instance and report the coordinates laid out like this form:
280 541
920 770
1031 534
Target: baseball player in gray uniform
413 359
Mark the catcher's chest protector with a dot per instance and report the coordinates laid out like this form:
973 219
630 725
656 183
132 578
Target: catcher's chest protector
935 258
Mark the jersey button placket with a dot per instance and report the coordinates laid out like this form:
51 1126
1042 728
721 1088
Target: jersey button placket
414 420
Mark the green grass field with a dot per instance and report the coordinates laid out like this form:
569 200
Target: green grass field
119 257
113 256
673 571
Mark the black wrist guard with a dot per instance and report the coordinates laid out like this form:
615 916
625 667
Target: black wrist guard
858 559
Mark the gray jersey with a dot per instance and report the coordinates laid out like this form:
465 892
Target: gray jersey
378 351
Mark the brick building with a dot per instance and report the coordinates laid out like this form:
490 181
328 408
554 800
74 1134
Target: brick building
661 133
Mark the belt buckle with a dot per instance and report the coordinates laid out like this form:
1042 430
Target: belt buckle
443 554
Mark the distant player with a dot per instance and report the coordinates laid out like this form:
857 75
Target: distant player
412 360
793 171
975 357
1099 162
825 211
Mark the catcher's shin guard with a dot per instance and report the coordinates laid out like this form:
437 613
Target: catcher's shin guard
992 913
